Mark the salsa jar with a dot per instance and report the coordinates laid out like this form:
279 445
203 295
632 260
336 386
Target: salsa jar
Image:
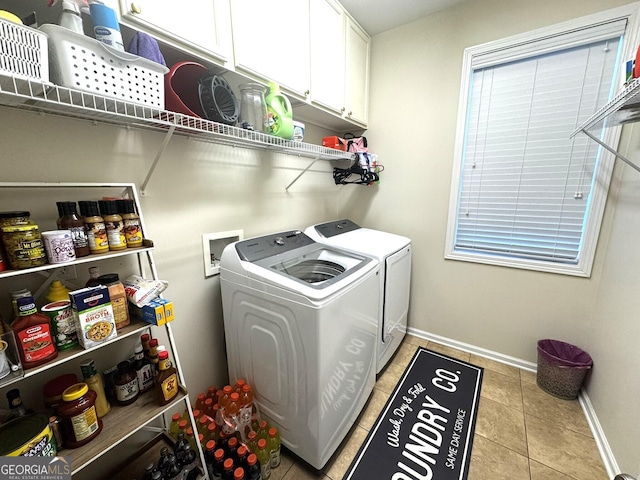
24 247
78 416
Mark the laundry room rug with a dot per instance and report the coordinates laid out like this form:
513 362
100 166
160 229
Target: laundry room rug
425 431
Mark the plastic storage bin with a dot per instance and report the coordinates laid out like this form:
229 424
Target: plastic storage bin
23 52
561 368
83 63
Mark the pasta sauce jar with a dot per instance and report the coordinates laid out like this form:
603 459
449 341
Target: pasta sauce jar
78 416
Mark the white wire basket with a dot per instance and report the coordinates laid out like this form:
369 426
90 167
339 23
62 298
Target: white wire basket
23 52
83 63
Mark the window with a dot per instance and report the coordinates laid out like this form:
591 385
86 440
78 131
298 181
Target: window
524 194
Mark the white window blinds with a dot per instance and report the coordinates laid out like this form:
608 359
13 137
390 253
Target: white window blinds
525 187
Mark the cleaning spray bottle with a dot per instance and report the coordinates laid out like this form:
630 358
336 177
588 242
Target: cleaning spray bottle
105 25
70 17
280 113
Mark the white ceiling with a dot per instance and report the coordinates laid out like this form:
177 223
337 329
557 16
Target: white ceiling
376 16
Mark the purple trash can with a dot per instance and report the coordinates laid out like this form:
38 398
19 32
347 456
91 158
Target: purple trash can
561 368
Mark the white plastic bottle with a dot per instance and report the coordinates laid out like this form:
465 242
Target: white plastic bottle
105 25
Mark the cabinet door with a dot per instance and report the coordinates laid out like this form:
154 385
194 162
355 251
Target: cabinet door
202 25
271 41
328 52
357 73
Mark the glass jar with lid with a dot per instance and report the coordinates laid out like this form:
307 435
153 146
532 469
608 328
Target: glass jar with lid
24 247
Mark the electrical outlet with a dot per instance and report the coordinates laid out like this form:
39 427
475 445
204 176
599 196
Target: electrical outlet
68 272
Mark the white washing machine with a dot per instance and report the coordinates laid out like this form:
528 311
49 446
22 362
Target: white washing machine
394 254
300 328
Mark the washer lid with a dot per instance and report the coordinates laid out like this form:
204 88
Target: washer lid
363 240
330 229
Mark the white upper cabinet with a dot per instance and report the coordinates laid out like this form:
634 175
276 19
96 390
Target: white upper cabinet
339 62
357 73
328 55
271 41
195 25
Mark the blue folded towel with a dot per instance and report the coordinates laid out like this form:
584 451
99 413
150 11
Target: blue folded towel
146 46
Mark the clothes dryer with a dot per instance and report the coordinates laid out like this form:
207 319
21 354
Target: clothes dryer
394 254
300 329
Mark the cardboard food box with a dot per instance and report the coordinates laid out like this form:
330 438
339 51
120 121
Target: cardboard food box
157 312
93 315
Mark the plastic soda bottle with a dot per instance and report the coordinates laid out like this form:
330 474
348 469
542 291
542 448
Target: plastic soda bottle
200 402
246 405
274 447
203 423
263 457
227 469
238 474
191 438
211 393
239 384
174 426
218 464
241 456
212 432
263 430
209 458
232 447
252 442
253 467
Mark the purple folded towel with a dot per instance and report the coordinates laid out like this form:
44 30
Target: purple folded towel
146 46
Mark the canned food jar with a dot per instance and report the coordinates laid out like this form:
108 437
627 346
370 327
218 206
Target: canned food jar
78 416
23 244
62 324
28 436
7 219
59 246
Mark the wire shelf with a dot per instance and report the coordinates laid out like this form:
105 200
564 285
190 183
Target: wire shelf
623 108
46 97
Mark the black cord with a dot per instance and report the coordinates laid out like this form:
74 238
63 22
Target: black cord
365 177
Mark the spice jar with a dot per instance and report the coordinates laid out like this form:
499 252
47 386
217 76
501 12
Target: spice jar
78 417
96 228
114 224
132 225
126 384
23 245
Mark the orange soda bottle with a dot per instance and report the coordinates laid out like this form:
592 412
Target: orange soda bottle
211 393
200 401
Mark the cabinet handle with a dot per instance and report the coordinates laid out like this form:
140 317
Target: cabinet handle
342 110
349 114
306 93
135 8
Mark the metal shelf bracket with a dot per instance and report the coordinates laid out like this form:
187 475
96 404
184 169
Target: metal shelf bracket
611 150
163 147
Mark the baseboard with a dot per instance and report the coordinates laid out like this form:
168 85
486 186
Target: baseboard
600 438
604 448
482 352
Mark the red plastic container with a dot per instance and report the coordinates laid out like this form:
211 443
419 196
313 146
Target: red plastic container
335 142
181 88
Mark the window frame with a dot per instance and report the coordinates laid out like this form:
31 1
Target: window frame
611 136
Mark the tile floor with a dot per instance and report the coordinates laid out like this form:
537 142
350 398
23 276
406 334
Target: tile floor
522 433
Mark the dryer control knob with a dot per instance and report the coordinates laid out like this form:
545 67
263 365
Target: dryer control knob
279 241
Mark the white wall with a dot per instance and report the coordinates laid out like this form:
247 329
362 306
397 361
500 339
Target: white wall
196 188
415 82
